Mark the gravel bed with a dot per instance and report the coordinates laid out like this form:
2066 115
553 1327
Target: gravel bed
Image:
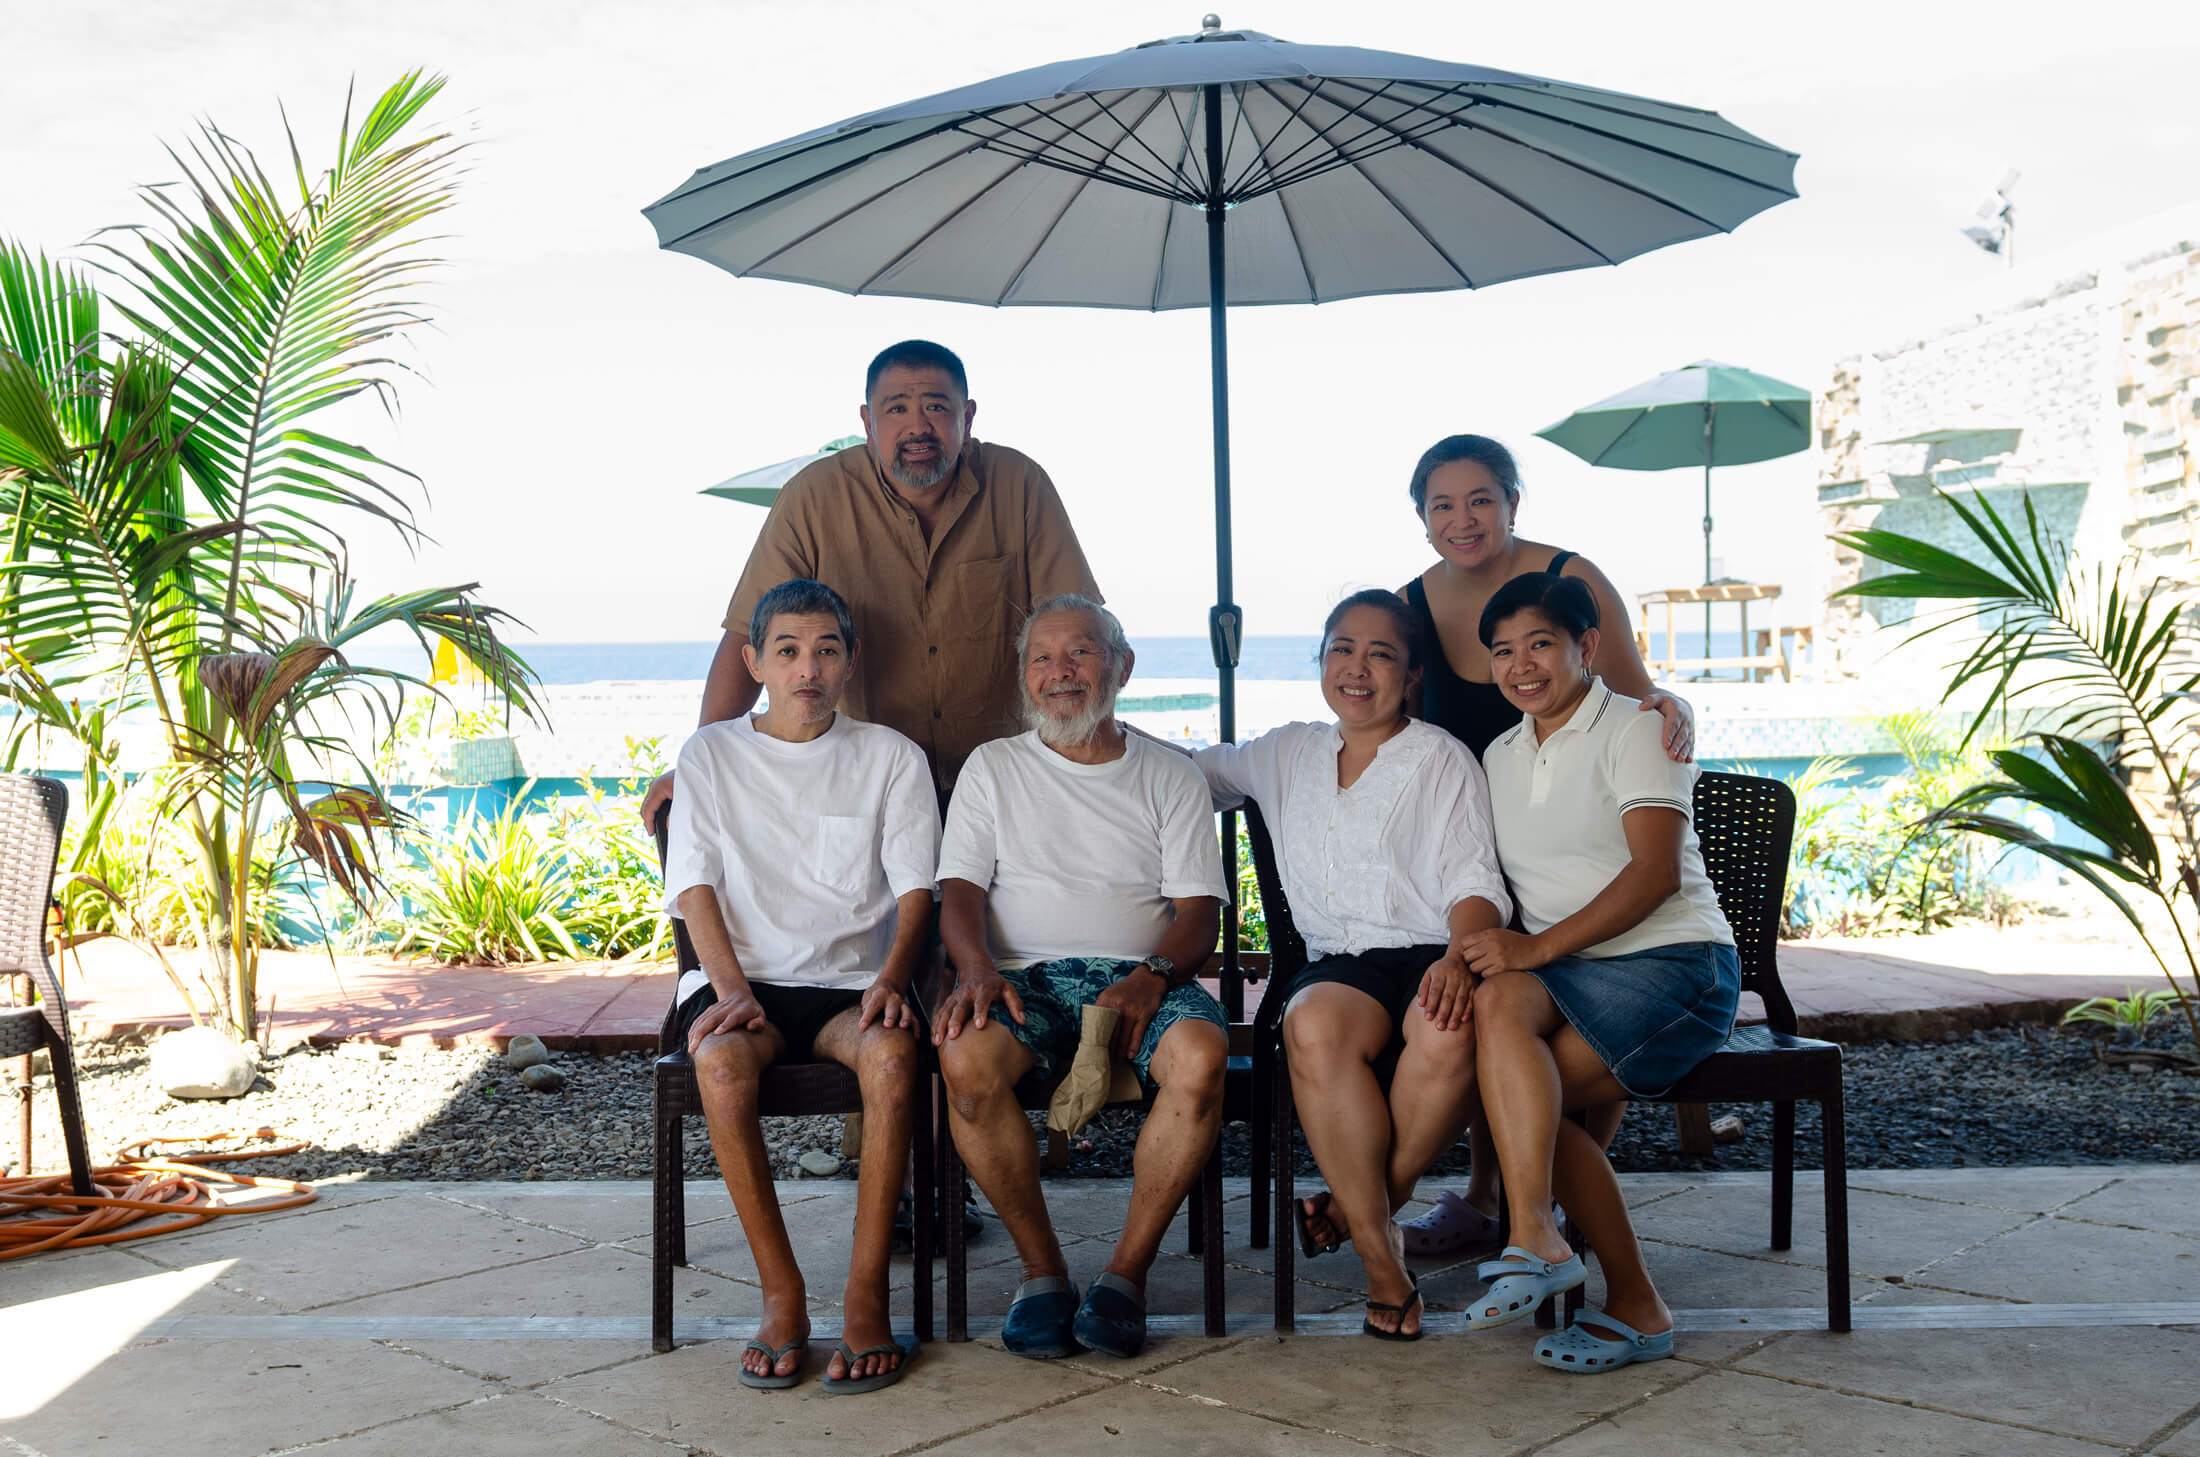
2024 1095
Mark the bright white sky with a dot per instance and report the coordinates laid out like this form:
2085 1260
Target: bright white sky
584 386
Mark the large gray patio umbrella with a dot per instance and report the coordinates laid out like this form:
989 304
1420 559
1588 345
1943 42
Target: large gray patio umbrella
1225 168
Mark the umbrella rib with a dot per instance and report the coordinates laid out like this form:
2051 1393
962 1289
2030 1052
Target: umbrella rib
1168 227
1283 201
1293 115
1517 201
797 186
852 208
1046 233
1338 154
1668 153
1342 153
1177 173
1043 150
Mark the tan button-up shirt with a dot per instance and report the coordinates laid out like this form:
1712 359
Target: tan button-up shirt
936 621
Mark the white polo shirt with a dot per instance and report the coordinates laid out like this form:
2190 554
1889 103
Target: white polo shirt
1080 859
1558 805
807 846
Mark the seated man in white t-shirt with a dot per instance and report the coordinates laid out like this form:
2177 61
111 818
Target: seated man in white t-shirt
800 854
1080 865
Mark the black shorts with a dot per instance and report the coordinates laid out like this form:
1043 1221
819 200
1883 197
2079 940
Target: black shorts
1390 974
800 1013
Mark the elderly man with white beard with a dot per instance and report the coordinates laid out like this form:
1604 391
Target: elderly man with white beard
1080 865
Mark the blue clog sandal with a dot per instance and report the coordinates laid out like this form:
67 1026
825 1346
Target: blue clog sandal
1519 1283
1112 1320
1579 1350
1039 1319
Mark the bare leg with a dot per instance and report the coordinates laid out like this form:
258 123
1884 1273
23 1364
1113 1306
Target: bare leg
981 1068
884 1060
1333 1035
1180 1132
727 1067
1534 1068
1430 1095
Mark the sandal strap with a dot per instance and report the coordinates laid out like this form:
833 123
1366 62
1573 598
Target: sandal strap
851 1355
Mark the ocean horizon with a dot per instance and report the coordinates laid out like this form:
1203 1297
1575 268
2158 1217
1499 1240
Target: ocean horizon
1281 659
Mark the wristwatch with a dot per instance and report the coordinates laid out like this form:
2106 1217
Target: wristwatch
1162 967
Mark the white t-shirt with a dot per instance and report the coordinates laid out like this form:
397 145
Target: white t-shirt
1381 863
1558 806
1080 859
807 846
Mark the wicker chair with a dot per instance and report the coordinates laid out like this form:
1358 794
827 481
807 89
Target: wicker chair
31 814
1745 826
787 1089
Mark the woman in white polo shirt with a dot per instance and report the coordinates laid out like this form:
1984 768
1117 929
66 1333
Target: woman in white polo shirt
1382 834
1624 979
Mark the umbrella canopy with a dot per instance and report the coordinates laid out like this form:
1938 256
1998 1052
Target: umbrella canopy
1706 414
760 487
1738 416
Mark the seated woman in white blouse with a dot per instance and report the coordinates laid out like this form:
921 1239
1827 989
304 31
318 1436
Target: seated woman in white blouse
1382 832
1625 979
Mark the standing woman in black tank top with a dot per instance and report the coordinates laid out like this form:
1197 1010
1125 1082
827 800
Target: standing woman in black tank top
1466 490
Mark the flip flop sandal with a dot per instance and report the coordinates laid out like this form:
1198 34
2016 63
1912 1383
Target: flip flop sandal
1585 1352
1309 1246
1369 1328
771 1380
857 1385
1040 1317
1451 1226
1519 1283
1112 1320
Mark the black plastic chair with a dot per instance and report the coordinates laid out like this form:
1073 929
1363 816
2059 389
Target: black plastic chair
1746 825
32 811
786 1090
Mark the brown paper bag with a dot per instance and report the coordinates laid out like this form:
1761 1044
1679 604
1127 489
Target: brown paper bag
1096 1077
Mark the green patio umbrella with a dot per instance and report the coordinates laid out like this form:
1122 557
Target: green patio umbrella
760 487
1706 413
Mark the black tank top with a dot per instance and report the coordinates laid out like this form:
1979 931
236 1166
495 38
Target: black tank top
1473 713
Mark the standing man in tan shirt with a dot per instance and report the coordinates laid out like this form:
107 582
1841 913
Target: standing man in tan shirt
940 544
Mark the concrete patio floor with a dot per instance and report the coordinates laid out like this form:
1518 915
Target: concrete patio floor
1999 1311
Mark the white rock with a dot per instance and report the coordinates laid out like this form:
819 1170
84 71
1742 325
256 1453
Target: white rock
542 1078
819 1164
202 1062
525 1051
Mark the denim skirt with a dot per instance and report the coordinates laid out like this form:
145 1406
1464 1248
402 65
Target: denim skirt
1650 1015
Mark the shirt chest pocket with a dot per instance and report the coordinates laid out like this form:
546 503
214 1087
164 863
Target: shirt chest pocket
978 601
844 853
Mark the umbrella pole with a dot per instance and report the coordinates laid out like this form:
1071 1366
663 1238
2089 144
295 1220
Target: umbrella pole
1225 620
1707 418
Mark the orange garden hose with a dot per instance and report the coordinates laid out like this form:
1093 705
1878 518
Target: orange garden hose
137 1185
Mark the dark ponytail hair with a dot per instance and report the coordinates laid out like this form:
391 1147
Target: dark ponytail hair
1483 451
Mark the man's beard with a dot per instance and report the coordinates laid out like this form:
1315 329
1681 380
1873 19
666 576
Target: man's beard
1075 731
922 475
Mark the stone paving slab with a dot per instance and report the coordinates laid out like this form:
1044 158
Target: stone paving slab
2002 1311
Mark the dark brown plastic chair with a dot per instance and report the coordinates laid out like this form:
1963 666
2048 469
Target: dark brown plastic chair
32 811
1205 1208
786 1090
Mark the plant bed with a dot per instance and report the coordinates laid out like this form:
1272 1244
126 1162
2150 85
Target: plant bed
2024 1095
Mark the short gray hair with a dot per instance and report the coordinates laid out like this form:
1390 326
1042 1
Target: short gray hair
1106 627
803 598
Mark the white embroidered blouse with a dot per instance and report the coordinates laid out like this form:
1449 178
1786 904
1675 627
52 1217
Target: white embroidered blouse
1381 863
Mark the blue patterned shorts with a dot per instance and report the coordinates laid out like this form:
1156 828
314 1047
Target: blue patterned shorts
1055 994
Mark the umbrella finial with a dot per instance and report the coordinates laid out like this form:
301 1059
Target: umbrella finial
1210 22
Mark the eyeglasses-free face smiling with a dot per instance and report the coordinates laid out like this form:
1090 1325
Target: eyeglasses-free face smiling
1364 674
1469 520
1540 667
